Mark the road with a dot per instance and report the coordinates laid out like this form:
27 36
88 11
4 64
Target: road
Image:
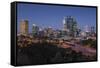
87 51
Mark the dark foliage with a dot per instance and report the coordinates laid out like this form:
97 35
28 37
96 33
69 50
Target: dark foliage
47 53
90 42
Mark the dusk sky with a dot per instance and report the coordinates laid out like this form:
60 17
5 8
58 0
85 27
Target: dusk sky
48 15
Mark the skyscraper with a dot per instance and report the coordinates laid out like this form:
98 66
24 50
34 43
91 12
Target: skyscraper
64 24
35 30
92 29
70 25
24 27
87 30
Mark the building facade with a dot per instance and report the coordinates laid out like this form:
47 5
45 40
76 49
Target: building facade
35 30
70 25
24 27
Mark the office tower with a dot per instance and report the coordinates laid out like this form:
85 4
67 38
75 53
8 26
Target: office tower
64 24
35 30
92 29
70 25
64 31
87 30
24 27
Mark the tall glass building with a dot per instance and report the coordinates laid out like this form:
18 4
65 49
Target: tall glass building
70 25
35 30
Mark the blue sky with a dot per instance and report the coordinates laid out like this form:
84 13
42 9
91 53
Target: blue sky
48 15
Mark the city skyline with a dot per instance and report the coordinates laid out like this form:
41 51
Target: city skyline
48 15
